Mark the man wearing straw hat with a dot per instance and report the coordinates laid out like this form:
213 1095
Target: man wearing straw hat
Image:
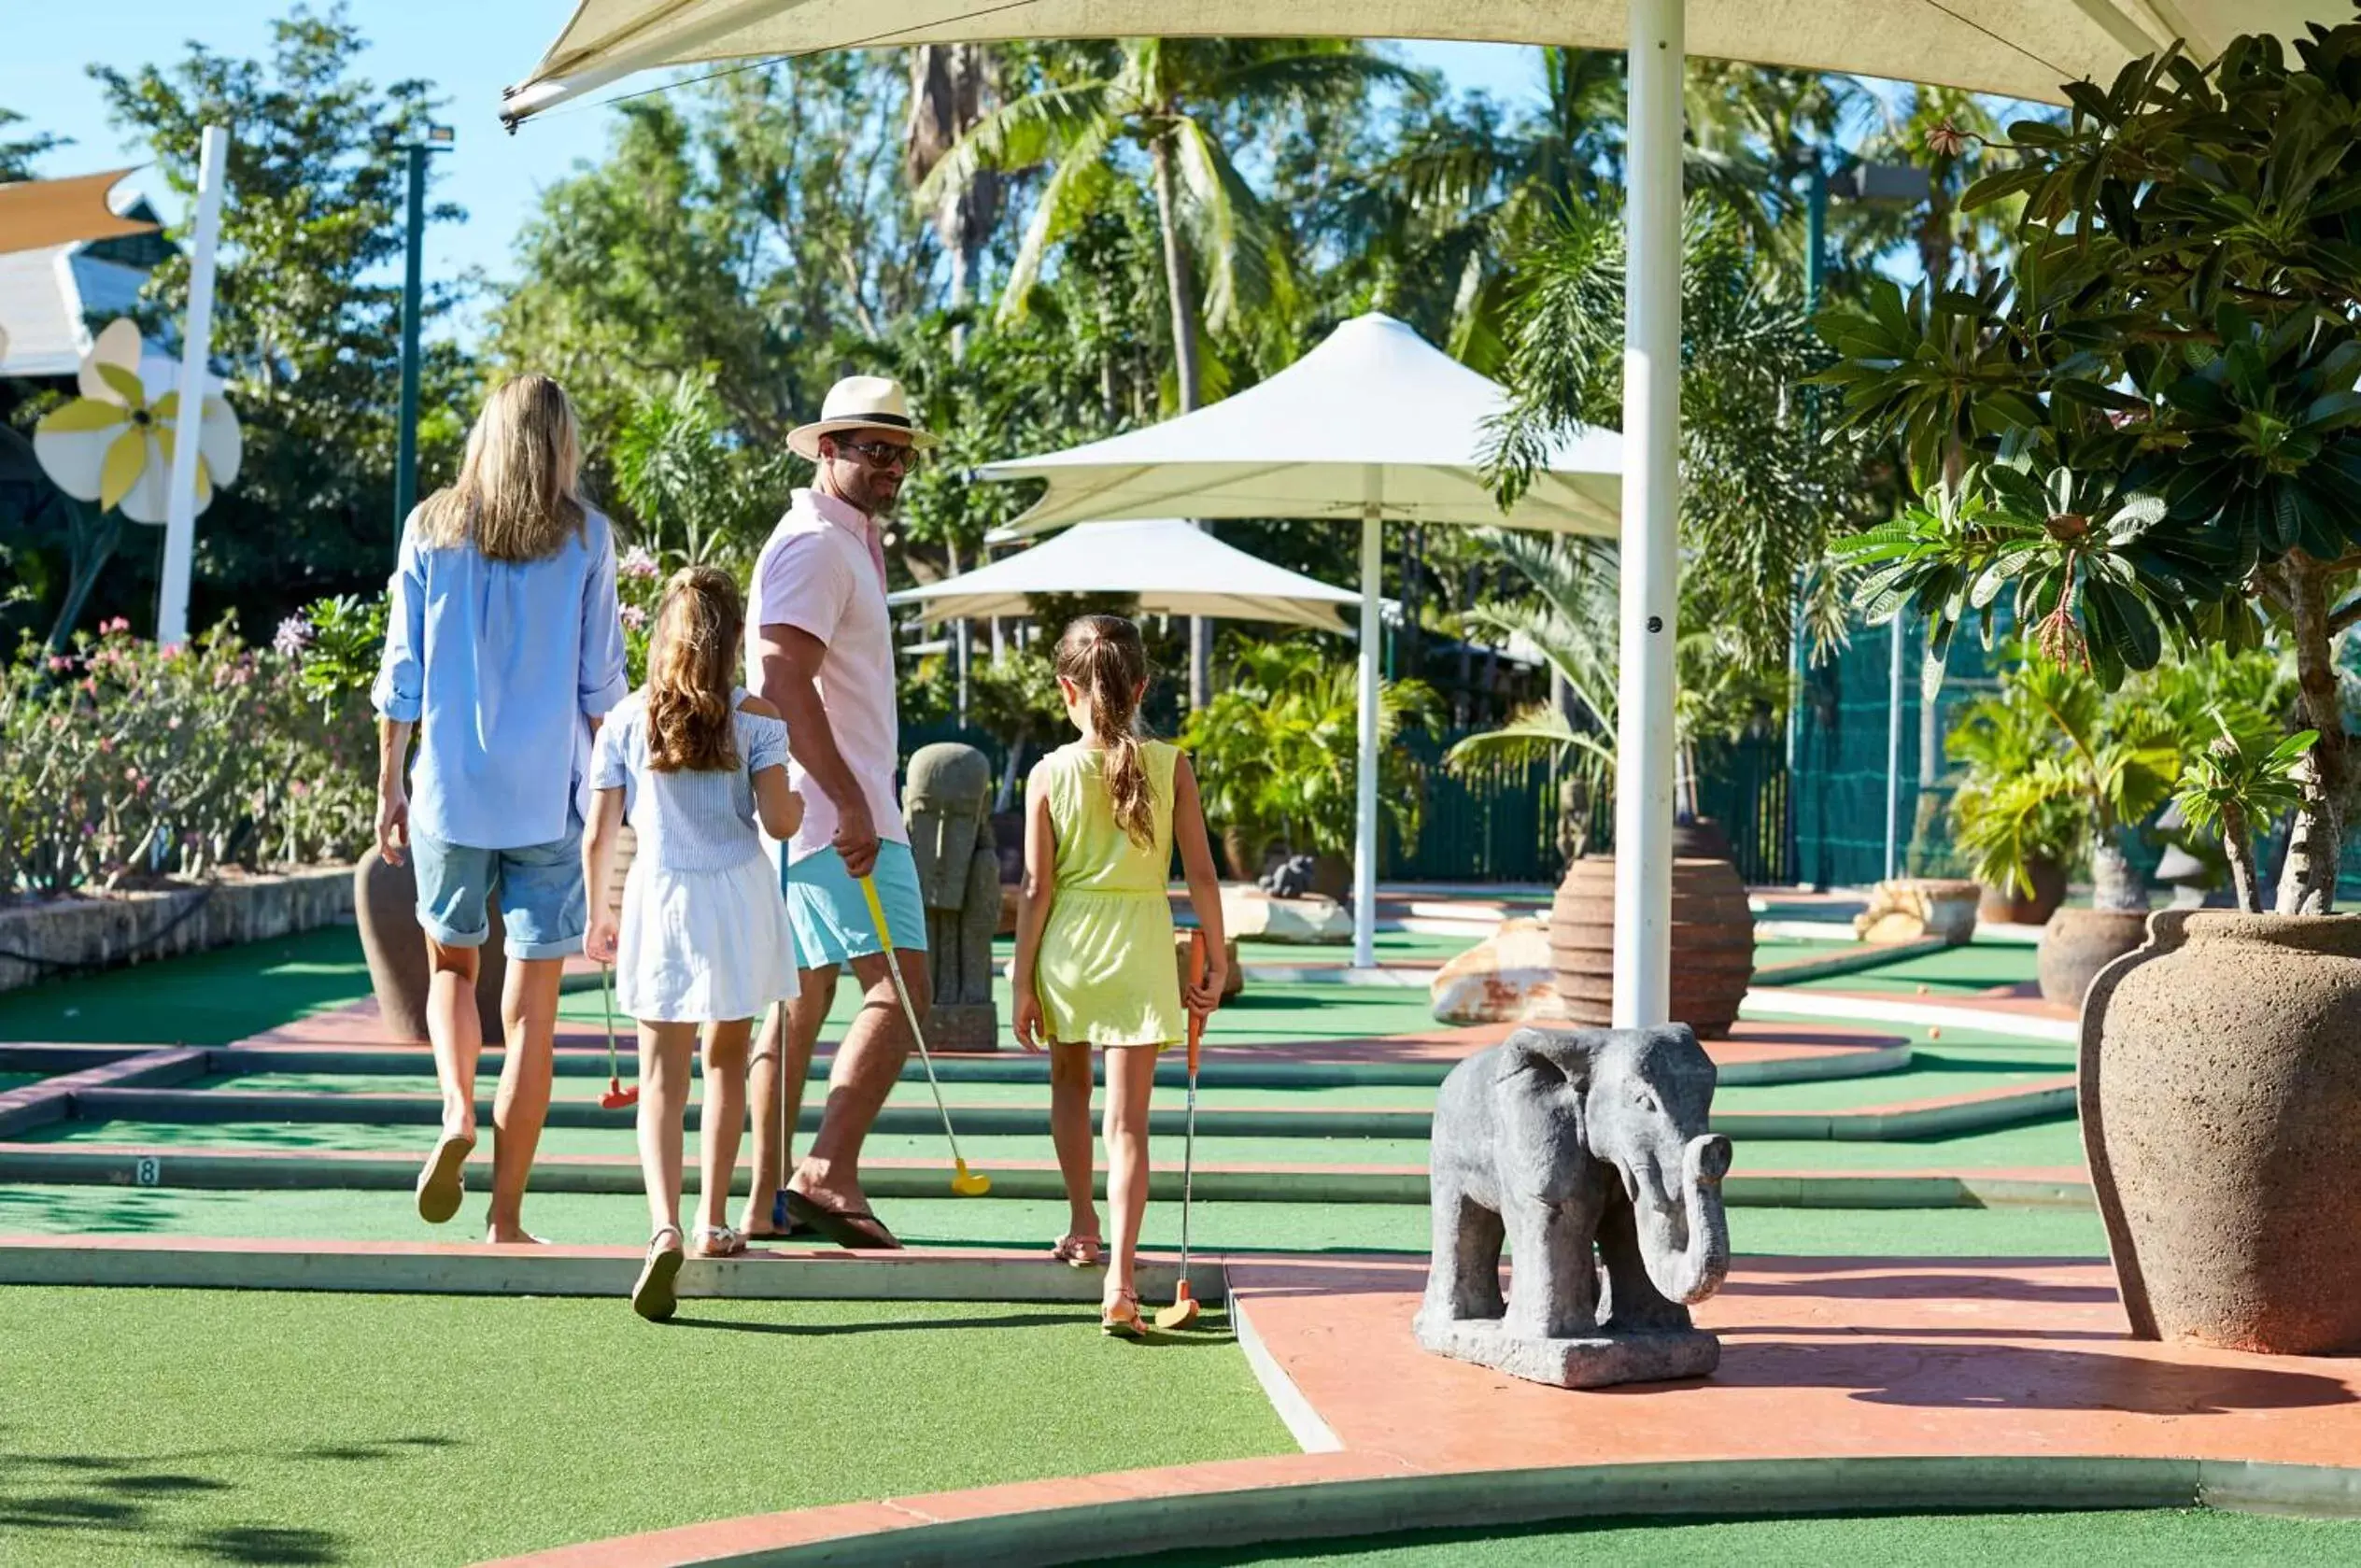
819 645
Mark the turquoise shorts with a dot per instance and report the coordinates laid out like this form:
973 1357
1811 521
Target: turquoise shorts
830 917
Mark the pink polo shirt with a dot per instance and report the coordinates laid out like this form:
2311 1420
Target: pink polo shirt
822 572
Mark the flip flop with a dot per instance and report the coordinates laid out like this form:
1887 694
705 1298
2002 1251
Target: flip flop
444 1183
653 1297
719 1241
1119 1317
785 1226
859 1233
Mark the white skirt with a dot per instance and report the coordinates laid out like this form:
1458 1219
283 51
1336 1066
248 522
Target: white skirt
704 947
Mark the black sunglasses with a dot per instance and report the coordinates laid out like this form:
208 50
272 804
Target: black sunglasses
880 454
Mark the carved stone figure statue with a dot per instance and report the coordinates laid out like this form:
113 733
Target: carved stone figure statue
947 803
1589 1147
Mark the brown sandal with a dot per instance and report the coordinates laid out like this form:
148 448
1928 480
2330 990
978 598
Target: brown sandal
653 1297
1119 1317
1079 1252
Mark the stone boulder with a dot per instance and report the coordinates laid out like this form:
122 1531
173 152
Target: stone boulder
1912 909
1234 978
1508 977
1251 914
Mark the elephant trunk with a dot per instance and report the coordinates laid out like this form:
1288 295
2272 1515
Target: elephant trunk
1688 1265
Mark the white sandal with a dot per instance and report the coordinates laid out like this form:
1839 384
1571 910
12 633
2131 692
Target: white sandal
653 1297
718 1241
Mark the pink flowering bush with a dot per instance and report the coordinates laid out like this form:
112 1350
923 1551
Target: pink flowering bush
127 760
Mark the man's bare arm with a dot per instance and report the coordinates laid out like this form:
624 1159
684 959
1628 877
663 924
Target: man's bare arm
790 671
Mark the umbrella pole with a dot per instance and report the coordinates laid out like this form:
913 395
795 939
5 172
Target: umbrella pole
1651 519
1365 840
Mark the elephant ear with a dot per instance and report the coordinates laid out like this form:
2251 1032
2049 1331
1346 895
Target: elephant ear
1537 1068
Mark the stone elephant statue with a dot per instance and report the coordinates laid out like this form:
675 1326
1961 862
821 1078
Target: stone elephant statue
1588 1148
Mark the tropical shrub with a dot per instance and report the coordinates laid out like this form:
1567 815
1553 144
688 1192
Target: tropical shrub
1275 751
129 761
2151 435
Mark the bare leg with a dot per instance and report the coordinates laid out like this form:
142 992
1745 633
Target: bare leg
868 1064
794 1028
1069 1130
457 1030
723 1117
1131 1076
528 1008
664 1050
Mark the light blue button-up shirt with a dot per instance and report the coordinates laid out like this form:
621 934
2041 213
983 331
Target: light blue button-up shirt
502 665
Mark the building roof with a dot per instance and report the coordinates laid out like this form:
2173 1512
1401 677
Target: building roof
48 298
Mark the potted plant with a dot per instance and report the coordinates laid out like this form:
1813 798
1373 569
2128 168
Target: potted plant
1571 619
2019 839
2151 435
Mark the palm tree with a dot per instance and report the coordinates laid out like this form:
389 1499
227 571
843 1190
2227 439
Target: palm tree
1170 98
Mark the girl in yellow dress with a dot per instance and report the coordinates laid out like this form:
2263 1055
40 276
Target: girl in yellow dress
1095 961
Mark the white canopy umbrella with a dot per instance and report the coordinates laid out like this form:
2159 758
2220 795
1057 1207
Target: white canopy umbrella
1375 423
2021 47
1172 567
2025 49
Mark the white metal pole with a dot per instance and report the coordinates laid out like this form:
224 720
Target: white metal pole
1651 520
196 343
1364 835
1898 627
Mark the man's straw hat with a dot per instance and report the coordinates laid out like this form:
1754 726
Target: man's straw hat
859 403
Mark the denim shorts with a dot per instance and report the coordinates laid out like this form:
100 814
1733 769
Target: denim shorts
831 919
540 904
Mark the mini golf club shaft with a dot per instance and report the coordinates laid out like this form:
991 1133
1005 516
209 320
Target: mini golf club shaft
606 996
910 1015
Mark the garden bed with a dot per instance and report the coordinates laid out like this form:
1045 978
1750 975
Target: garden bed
45 938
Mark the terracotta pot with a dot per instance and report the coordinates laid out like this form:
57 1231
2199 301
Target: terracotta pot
1244 850
2221 1112
2006 906
1701 839
2077 943
1713 943
385 901
1332 877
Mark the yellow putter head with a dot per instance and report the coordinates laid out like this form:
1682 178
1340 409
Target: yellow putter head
965 1182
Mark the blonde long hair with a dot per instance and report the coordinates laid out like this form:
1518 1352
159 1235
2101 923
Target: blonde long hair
1104 656
692 667
519 493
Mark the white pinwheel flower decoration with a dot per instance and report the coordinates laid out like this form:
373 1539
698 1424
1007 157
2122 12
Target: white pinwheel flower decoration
113 445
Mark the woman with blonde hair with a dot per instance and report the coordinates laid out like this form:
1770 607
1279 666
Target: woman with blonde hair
503 650
702 942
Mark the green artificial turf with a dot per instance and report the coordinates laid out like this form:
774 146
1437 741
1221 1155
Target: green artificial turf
1978 967
157 1426
2121 1539
621 1220
210 998
19 1080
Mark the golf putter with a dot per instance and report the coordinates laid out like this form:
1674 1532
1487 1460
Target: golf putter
966 1183
616 1097
1183 1310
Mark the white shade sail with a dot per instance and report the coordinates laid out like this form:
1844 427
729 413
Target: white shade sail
2021 47
1173 569
1375 415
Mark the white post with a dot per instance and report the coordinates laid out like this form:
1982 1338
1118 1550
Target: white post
1898 627
1651 520
196 342
1364 835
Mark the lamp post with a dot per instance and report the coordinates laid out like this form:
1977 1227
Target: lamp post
438 139
1899 185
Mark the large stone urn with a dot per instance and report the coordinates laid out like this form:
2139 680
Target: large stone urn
2012 906
385 903
2221 1112
2077 943
1713 943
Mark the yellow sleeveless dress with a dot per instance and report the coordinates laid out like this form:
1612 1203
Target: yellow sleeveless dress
1105 973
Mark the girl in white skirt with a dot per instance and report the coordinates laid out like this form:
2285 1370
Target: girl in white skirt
703 939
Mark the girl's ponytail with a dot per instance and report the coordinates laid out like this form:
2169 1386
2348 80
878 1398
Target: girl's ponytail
1105 656
691 672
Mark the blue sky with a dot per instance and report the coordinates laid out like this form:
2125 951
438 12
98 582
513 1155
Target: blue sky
469 48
